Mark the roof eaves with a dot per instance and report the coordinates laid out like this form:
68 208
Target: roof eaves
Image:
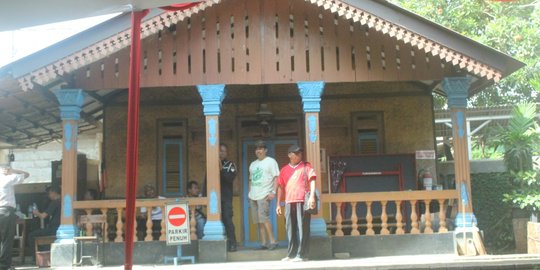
67 46
387 18
97 49
450 46
444 35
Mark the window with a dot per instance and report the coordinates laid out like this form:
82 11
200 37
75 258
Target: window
368 142
171 161
368 130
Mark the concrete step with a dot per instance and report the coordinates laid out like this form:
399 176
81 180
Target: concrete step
246 255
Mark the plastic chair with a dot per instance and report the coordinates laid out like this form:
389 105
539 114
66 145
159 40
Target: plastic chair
96 237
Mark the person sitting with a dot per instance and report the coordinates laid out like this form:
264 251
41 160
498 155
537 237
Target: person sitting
200 217
90 195
51 214
156 215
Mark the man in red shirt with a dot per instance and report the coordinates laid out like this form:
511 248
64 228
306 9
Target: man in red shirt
295 179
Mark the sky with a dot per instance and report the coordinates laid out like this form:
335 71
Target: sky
25 41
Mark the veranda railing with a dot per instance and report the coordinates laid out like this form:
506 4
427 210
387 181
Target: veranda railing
366 213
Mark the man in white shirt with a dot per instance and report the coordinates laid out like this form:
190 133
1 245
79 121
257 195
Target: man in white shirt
8 179
263 174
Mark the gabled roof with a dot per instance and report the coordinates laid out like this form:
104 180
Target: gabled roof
398 23
15 14
47 68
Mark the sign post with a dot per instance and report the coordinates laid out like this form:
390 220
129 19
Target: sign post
178 229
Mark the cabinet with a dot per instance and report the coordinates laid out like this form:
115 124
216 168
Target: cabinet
56 177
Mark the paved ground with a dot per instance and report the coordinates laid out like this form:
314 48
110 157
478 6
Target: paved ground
502 262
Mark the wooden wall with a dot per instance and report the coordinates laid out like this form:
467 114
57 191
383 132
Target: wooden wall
265 42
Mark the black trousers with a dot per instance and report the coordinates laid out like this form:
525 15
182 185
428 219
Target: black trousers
7 234
227 219
297 224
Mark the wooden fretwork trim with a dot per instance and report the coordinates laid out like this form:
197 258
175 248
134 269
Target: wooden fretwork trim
400 33
107 47
121 40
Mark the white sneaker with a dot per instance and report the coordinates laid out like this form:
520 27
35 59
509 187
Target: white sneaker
286 259
298 259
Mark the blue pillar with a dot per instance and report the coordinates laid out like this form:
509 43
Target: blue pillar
311 98
457 91
212 97
71 101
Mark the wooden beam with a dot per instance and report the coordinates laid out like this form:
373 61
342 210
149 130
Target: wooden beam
42 111
50 96
15 129
33 123
95 96
291 98
113 94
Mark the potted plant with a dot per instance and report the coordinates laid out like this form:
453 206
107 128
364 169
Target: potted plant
520 140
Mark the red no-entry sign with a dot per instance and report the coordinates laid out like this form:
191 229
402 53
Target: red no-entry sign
177 216
178 230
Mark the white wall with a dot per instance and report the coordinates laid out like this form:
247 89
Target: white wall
4 156
37 162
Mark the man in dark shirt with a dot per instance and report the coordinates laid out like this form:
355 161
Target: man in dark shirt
227 175
52 214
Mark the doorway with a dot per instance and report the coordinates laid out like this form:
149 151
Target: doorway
277 149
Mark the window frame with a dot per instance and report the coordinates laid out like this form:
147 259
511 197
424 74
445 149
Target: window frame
161 139
378 129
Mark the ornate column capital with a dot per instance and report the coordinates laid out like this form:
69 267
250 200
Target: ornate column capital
212 96
71 102
457 90
311 95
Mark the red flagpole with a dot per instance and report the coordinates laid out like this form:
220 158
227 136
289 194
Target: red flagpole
132 149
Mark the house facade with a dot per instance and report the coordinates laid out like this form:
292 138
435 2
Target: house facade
341 78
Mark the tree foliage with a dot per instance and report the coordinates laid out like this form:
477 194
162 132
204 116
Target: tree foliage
510 27
520 140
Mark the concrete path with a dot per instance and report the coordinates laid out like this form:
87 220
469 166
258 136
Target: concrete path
514 261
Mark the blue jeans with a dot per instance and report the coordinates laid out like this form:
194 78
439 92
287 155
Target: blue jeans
201 220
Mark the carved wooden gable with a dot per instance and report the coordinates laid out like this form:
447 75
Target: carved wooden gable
266 42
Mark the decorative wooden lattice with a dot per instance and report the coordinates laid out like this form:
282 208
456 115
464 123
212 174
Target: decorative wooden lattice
265 41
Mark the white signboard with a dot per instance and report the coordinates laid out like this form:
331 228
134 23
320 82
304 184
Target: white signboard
177 220
425 154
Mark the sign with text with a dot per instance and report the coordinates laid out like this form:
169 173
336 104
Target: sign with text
178 229
425 154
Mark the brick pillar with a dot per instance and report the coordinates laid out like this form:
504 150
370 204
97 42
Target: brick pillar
212 96
70 101
457 90
311 98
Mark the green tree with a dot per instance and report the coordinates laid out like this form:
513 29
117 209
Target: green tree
510 27
520 140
